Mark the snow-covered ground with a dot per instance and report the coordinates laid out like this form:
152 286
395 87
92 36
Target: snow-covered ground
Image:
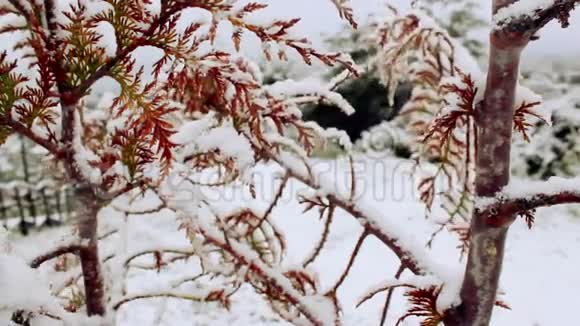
540 278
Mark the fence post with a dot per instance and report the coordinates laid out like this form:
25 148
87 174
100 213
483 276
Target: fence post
57 194
22 225
3 213
67 203
49 221
31 206
28 196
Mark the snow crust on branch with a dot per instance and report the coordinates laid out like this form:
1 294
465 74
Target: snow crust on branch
317 309
531 190
521 9
412 252
529 10
310 87
27 289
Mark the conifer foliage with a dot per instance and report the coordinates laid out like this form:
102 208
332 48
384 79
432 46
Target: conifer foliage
198 118
169 117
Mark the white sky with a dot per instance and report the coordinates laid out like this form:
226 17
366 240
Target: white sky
319 16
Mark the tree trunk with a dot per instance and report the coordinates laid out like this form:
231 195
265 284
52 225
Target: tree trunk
89 254
494 122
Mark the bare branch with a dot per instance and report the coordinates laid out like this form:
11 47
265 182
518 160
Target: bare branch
182 296
20 8
352 178
151 252
273 204
71 249
108 234
371 294
152 210
355 252
390 296
28 133
323 239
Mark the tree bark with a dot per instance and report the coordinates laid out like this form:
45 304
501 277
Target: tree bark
87 211
494 122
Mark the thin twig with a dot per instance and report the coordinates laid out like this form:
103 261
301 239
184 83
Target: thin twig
125 300
390 295
355 252
371 294
28 133
404 255
352 179
273 204
20 8
153 210
324 237
148 252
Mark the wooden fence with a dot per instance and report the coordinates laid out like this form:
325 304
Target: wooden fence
25 207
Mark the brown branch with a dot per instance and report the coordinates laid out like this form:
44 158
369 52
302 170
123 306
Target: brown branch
352 179
87 212
20 8
189 279
388 287
157 266
355 252
406 257
529 25
273 204
118 304
28 133
390 296
70 249
128 188
149 252
152 210
108 234
277 196
323 239
503 212
494 122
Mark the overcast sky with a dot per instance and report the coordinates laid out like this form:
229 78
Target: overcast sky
318 16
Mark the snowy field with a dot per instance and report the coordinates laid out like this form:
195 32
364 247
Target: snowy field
540 278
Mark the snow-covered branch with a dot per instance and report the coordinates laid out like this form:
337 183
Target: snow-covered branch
272 282
411 253
70 249
521 197
527 17
413 281
345 11
30 134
